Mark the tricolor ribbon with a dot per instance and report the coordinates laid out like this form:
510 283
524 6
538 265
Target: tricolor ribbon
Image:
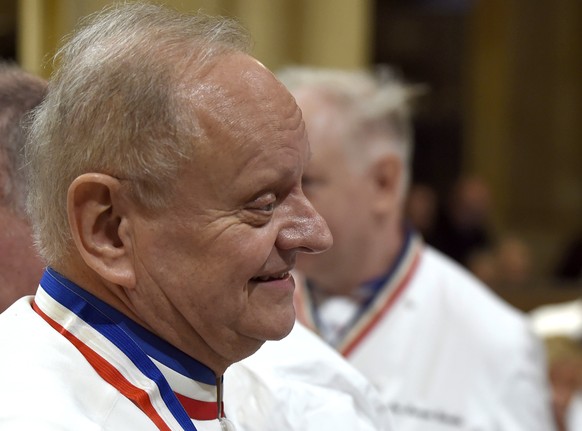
387 289
112 353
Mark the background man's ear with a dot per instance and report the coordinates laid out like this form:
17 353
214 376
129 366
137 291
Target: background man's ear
387 174
97 213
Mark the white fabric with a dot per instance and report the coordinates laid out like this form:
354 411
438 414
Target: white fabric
574 413
299 383
335 314
449 355
563 319
46 384
295 384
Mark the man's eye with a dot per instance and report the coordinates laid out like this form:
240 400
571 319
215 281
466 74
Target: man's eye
267 208
264 204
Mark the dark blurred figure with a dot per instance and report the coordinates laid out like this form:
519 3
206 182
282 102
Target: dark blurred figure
569 266
484 264
20 267
421 208
514 257
506 263
463 226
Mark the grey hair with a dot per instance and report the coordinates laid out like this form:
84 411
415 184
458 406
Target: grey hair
20 92
120 104
376 105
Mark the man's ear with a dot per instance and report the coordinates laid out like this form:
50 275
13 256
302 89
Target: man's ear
387 176
99 223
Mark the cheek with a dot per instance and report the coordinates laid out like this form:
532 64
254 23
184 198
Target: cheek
235 258
204 267
337 209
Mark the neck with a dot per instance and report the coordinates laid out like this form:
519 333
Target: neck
173 329
372 261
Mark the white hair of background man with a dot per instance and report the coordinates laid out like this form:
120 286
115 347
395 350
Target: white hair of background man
377 106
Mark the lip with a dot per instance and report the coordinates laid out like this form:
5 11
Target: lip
282 280
271 277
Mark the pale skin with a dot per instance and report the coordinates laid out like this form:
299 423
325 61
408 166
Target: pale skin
20 265
361 201
210 273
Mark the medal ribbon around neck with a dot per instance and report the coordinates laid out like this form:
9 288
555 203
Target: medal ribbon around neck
392 285
112 353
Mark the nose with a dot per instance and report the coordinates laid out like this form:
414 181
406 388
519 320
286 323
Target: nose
304 229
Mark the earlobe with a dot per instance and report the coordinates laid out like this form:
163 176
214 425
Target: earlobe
98 223
387 174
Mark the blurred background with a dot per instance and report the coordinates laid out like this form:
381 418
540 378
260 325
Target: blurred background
498 158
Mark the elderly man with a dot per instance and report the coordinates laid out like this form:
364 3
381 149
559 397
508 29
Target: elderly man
443 350
20 266
165 195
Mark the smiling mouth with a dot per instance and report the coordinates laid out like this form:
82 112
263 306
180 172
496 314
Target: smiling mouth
264 278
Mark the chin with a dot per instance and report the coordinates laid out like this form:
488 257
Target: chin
279 328
286 331
254 340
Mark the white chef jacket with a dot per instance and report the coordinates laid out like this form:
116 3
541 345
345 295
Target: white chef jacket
70 362
444 351
300 383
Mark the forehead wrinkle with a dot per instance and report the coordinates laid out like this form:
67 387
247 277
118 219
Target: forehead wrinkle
255 116
242 122
239 88
244 111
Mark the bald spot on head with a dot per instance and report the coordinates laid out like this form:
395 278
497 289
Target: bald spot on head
240 98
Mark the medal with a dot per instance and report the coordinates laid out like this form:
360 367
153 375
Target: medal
226 425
